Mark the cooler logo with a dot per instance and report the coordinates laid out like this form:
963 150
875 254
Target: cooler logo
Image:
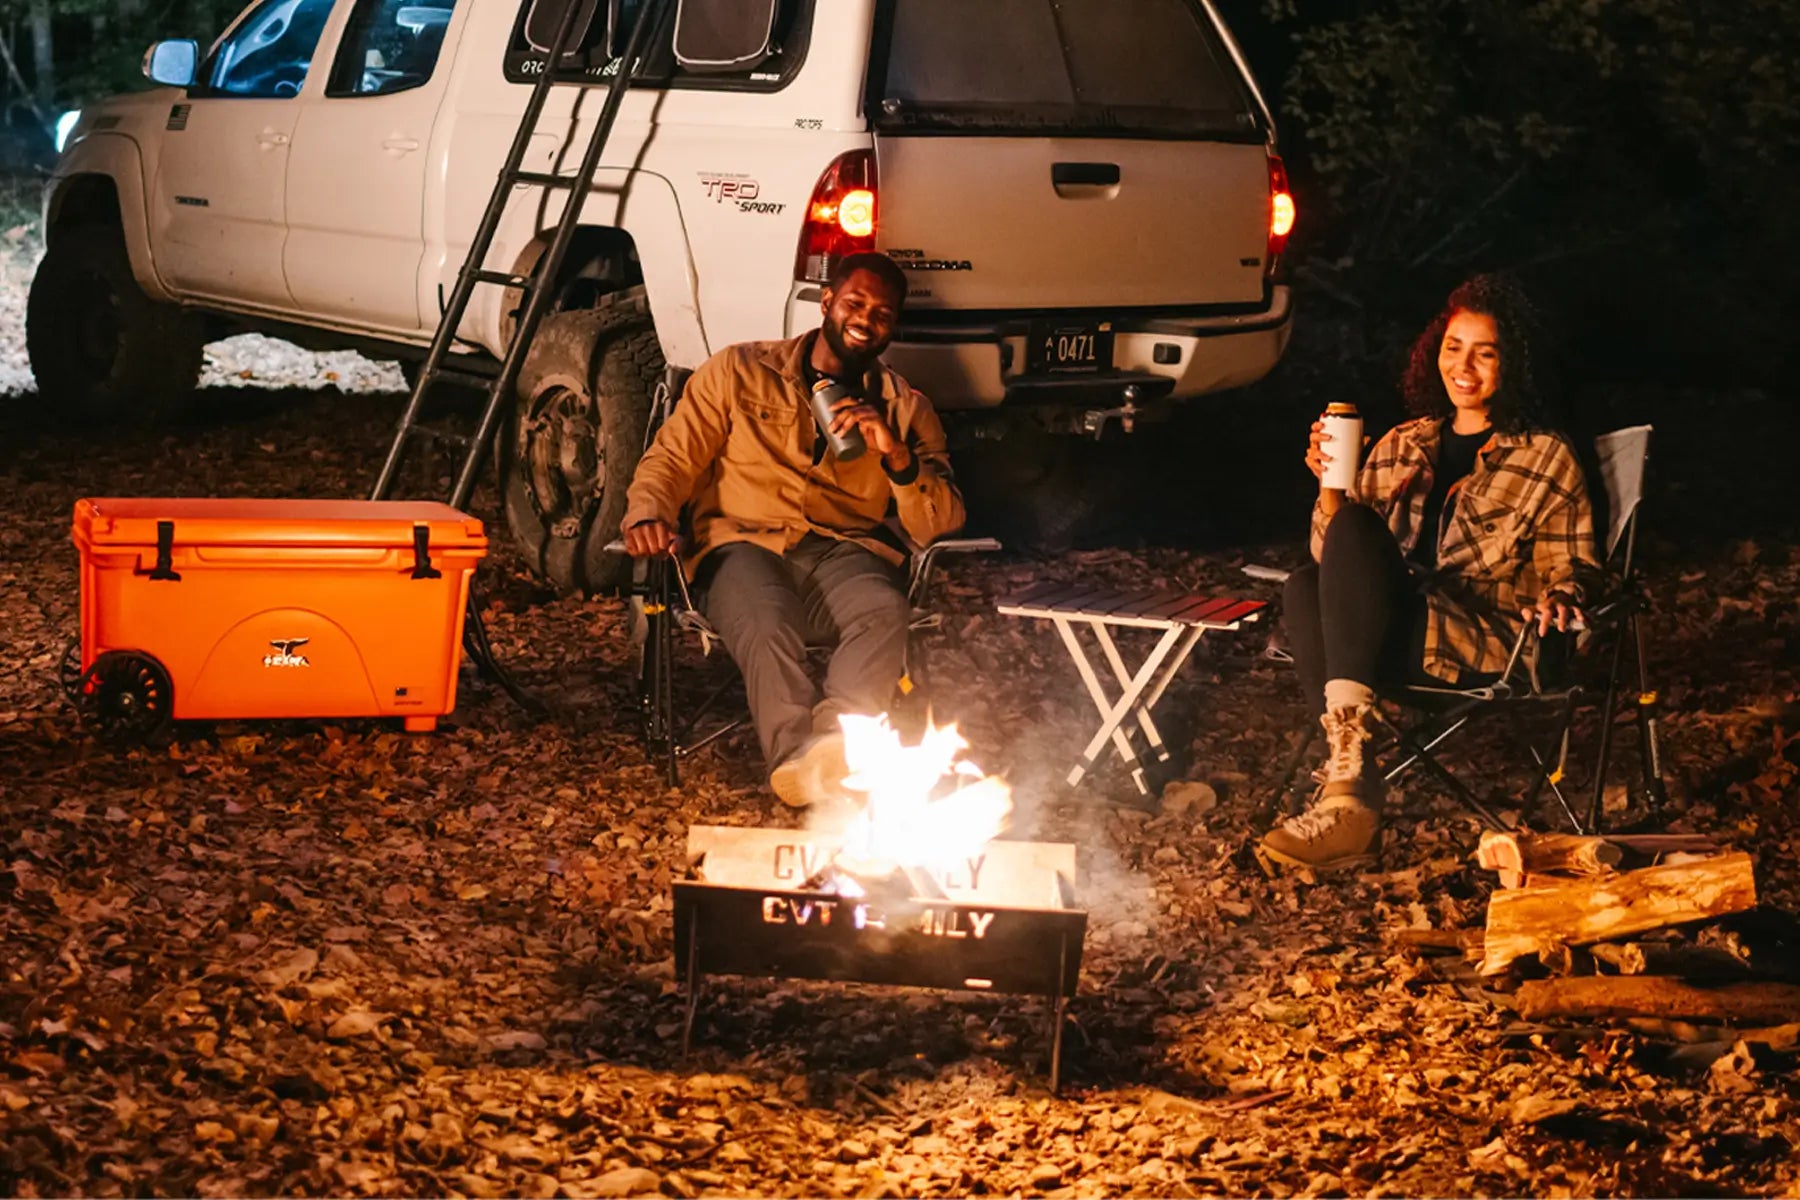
285 655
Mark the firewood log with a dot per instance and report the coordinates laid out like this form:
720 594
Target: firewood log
1667 958
1523 921
1519 855
1514 855
1623 996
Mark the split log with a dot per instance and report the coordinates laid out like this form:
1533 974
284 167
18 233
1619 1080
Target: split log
1619 997
1523 921
1668 958
1519 855
1515 854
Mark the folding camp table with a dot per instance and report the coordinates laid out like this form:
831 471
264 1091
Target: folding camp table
1183 619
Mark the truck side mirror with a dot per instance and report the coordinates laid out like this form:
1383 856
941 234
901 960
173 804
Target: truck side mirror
173 62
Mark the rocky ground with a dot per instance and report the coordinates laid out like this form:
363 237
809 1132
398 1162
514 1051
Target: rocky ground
330 958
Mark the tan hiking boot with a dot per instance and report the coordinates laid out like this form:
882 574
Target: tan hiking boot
814 775
1336 832
1338 829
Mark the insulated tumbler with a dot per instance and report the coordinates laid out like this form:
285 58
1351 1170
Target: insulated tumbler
846 446
1343 442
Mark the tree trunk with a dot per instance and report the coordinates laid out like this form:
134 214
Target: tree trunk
43 55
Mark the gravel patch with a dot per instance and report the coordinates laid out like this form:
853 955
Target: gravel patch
247 360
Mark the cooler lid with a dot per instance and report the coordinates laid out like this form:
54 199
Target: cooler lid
132 521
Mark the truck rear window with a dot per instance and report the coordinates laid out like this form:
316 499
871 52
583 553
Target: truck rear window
1107 68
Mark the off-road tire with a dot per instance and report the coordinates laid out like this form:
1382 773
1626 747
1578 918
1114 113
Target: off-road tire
103 351
575 437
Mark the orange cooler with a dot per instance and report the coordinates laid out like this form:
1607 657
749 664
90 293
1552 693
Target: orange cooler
281 608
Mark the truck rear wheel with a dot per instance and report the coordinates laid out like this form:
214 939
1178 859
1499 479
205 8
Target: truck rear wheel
103 351
575 439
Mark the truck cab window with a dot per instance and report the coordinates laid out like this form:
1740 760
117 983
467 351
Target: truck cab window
268 53
390 46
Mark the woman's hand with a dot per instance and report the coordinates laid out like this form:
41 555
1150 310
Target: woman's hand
1316 458
1555 610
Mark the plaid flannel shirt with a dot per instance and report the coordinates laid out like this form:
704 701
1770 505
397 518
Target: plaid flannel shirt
1516 528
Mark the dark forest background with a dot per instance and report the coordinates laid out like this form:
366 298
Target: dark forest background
1638 161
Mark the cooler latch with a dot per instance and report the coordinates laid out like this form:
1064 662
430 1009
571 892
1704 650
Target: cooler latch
422 568
165 553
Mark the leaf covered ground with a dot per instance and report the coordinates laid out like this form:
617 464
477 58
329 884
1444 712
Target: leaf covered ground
332 958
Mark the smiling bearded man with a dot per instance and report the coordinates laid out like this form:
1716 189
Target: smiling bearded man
789 545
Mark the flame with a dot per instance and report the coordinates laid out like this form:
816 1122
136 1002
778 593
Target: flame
908 818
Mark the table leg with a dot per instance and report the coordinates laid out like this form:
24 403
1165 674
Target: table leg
1114 715
1144 710
1098 693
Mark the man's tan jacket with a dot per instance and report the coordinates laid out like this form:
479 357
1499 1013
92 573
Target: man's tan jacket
738 449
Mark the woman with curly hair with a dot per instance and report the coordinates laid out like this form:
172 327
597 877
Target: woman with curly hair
1463 523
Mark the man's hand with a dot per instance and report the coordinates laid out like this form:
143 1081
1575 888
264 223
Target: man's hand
1555 610
649 538
851 413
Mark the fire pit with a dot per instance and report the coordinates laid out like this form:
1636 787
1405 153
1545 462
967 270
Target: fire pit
792 904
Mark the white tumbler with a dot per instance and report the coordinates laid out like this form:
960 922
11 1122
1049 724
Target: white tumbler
1341 440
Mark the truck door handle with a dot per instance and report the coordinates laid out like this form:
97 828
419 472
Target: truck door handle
400 145
269 138
1092 174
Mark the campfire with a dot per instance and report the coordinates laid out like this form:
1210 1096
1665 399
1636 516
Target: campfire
909 884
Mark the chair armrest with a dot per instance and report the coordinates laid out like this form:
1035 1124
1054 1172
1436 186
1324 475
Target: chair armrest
923 560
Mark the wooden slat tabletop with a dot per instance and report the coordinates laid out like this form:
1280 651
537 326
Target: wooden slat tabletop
1153 607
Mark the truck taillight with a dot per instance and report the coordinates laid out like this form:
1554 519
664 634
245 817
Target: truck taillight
840 220
1281 211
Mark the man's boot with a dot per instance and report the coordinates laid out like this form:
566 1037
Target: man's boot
813 776
1338 829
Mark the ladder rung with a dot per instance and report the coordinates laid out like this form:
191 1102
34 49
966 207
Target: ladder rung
503 278
474 379
439 435
545 179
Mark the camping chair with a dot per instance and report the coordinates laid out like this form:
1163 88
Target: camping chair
1540 674
668 610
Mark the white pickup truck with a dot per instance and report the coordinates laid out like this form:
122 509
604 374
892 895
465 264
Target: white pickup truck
1085 194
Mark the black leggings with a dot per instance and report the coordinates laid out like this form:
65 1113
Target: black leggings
1358 612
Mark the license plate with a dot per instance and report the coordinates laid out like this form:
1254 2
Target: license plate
1073 346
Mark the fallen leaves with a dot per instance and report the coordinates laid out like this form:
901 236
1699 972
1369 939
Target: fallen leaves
355 1023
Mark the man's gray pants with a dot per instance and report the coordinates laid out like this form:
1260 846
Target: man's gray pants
767 608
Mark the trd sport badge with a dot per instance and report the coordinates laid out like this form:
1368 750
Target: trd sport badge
285 653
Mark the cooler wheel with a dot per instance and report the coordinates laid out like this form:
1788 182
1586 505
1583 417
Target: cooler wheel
126 696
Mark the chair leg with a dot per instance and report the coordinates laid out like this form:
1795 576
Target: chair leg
1649 749
1418 753
659 651
666 700
1546 774
1281 801
1608 711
